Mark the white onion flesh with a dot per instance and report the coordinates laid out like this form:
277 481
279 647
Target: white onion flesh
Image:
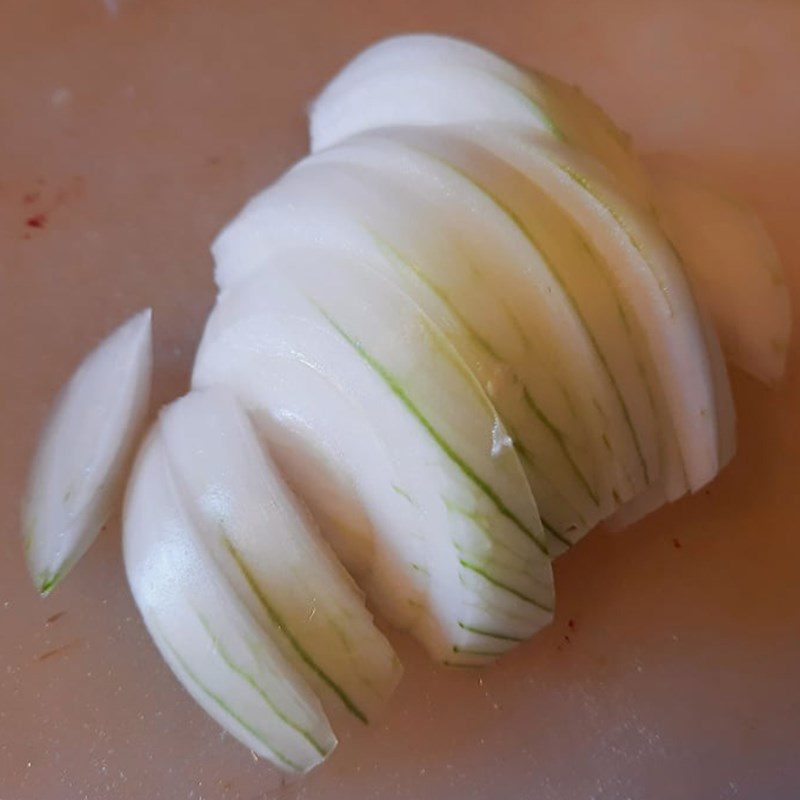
630 451
558 350
649 278
269 552
84 449
423 79
206 633
365 215
458 547
662 493
478 274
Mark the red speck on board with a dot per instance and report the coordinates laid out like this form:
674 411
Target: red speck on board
36 221
30 198
571 624
676 543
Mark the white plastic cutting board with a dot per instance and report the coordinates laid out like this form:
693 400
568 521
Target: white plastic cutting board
129 132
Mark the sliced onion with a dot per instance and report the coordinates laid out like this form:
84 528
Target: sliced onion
270 553
322 345
630 438
84 449
206 633
466 261
649 277
661 493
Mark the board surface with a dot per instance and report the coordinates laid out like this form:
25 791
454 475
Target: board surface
129 133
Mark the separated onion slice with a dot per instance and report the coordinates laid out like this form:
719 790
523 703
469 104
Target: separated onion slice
317 345
207 635
424 79
733 265
83 451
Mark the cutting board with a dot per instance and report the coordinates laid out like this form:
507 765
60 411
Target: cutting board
129 133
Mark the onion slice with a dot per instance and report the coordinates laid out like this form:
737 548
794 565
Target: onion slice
271 554
206 634
84 449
